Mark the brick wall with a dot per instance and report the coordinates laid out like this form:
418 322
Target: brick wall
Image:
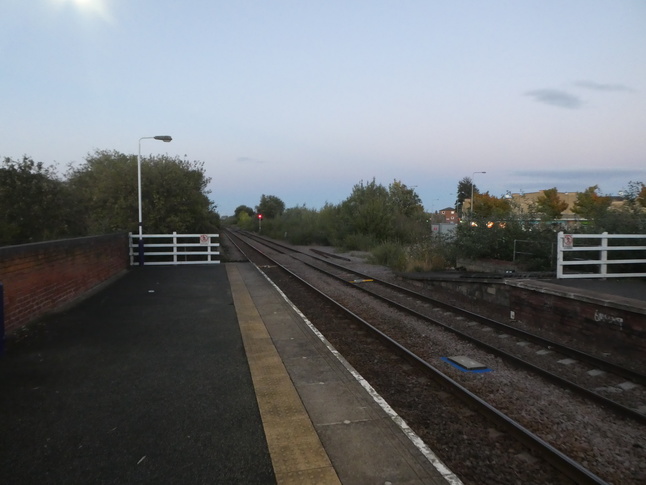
40 277
613 327
616 326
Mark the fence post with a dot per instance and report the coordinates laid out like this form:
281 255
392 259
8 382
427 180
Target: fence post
604 254
174 247
131 249
559 255
141 249
1 320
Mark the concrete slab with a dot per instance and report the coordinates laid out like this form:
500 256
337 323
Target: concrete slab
295 448
467 362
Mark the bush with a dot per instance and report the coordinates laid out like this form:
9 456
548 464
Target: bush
359 242
434 253
389 254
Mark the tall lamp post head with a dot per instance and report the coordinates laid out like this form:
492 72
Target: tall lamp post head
164 138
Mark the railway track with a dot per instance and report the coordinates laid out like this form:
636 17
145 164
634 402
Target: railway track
424 311
588 375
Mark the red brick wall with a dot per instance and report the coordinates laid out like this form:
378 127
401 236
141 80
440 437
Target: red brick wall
613 328
39 277
616 327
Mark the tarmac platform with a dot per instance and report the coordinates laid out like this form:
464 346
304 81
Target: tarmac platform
200 375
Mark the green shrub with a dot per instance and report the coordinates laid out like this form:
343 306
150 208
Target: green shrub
359 242
389 254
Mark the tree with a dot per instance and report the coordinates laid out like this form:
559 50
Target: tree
464 193
630 216
368 211
591 206
491 207
174 194
177 196
35 204
635 194
243 209
270 206
404 200
106 186
550 205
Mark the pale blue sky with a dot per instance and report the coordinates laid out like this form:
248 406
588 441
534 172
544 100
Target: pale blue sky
304 99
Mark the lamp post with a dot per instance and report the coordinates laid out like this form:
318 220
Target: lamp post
472 184
165 139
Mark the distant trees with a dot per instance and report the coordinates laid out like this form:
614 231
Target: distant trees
464 193
635 194
270 206
390 222
371 215
550 205
629 217
174 194
486 206
100 196
366 211
242 209
404 200
590 205
35 204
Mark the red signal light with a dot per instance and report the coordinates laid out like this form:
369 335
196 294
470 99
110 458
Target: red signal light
259 216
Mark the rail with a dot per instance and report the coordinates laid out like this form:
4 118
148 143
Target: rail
593 260
174 249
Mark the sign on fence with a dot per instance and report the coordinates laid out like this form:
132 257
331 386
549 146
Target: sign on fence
591 255
568 241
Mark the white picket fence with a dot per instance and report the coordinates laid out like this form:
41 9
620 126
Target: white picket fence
175 249
586 255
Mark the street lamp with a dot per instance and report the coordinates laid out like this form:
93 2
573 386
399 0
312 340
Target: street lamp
165 139
472 184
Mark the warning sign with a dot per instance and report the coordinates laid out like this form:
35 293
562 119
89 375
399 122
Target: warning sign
568 241
204 239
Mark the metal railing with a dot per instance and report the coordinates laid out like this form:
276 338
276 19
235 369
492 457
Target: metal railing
532 249
175 249
594 259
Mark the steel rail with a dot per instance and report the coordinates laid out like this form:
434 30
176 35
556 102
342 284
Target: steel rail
566 465
555 378
579 355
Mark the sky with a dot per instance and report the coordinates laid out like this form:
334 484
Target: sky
304 99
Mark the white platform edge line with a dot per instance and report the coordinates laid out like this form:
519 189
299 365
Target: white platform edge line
439 465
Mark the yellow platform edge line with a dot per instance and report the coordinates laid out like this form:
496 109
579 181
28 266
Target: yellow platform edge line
294 446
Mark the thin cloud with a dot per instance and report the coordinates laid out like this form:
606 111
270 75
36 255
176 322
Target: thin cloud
603 87
556 97
575 174
573 180
249 160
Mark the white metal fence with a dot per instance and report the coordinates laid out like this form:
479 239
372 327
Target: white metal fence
600 255
170 249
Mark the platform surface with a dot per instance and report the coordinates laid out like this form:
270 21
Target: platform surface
194 374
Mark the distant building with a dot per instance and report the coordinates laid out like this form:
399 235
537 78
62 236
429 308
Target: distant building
450 215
